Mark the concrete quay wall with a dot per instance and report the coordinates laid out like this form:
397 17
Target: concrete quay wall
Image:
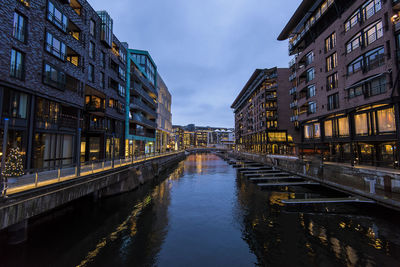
379 184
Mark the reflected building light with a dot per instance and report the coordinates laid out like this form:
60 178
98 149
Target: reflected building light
352 257
336 247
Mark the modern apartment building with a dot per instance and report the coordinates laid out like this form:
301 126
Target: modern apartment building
345 89
262 116
141 97
59 88
164 117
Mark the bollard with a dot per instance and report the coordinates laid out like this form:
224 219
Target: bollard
102 165
36 179
120 162
92 167
59 174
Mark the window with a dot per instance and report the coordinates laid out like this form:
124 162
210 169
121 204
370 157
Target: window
106 34
312 131
54 15
102 59
121 90
102 80
376 86
332 81
55 47
354 43
386 120
122 55
309 58
343 125
330 42
19 27
310 74
370 8
15 104
328 128
373 33
91 73
92 50
54 77
310 91
333 101
355 91
361 124
312 107
355 66
17 64
92 28
331 62
375 58
352 21
338 127
121 73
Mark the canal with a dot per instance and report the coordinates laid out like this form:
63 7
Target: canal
205 214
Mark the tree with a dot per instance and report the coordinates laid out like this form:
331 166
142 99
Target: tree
13 166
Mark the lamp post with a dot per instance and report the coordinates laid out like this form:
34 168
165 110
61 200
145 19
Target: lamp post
3 158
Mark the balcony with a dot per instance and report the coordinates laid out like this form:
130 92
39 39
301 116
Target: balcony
143 133
271 108
142 120
138 104
145 95
95 107
293 90
292 77
272 118
292 62
294 118
144 80
270 97
293 104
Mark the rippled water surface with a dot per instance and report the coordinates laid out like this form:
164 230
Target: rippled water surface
204 214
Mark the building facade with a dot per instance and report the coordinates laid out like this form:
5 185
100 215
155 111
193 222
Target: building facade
345 95
262 116
55 82
164 141
141 99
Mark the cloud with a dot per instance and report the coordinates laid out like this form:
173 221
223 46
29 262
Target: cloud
205 50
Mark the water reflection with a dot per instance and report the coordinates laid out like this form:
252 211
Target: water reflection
205 214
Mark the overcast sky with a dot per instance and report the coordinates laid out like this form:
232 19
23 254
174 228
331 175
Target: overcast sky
205 50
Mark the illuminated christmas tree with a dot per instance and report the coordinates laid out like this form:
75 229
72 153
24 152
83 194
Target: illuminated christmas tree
13 166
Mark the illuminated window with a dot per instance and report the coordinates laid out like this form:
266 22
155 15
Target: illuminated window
386 120
331 62
328 128
330 42
361 124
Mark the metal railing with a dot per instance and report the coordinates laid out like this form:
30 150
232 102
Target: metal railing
143 107
43 177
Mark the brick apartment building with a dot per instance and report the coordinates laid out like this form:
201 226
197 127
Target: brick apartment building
345 90
262 116
62 71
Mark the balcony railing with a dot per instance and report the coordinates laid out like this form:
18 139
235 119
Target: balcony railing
95 107
292 77
294 118
145 95
293 104
293 90
142 120
138 103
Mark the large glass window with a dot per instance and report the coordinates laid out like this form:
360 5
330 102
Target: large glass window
343 125
370 8
386 120
308 131
375 58
106 28
91 73
53 150
19 27
354 43
355 91
373 33
55 16
310 74
355 66
331 62
55 46
17 64
92 50
310 91
328 128
332 81
352 21
54 77
330 42
14 104
333 101
376 86
361 124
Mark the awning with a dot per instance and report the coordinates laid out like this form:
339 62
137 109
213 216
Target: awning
365 81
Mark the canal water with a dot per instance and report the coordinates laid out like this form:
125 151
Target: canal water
205 214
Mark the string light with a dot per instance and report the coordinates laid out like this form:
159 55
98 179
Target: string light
13 166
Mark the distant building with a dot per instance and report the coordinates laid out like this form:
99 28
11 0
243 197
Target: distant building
164 118
262 116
